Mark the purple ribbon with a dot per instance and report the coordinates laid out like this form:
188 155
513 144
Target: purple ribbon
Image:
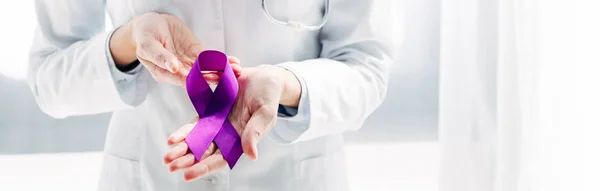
213 108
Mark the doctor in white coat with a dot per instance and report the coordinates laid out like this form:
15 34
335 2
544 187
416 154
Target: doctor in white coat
299 90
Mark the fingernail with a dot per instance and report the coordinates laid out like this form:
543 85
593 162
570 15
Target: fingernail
169 66
255 151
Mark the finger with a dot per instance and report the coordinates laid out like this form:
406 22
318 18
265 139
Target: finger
176 152
184 71
154 52
182 162
162 75
235 65
212 78
180 135
237 70
196 119
233 60
212 148
260 122
178 79
173 155
207 166
179 152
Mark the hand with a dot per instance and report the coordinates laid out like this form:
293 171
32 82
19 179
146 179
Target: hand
179 157
163 44
253 115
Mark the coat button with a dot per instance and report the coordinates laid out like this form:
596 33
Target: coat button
213 180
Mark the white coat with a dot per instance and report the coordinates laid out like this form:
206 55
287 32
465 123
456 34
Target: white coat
342 69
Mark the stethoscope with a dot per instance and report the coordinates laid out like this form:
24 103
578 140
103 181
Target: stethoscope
295 24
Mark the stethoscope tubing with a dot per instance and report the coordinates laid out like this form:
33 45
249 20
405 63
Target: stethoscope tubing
294 24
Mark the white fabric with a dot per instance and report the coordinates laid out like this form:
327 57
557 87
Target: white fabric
344 67
515 103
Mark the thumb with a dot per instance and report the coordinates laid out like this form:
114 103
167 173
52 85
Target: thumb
235 65
154 52
233 60
261 121
249 144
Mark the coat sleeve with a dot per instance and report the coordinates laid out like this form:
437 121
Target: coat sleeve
70 67
346 84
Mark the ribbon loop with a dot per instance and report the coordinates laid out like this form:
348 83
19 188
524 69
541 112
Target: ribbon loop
213 108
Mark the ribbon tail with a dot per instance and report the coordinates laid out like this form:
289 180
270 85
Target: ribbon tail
200 138
230 144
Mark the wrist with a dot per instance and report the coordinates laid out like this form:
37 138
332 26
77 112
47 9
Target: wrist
122 46
290 88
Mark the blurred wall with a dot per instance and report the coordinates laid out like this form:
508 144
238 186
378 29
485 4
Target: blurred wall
409 112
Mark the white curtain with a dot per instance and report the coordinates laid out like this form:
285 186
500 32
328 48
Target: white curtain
519 95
